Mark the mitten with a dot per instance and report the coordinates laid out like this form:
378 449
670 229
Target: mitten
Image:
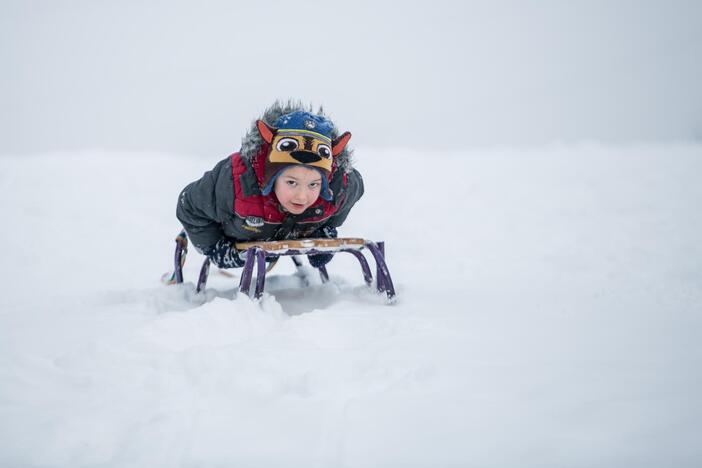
326 232
225 255
320 260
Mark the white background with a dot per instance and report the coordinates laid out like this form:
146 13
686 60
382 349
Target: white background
190 76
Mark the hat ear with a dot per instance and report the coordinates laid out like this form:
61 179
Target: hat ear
267 132
339 143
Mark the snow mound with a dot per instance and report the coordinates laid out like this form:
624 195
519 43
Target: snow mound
549 315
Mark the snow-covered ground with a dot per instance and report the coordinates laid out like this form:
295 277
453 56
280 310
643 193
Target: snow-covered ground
549 315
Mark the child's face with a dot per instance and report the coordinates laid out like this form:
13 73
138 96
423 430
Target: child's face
297 188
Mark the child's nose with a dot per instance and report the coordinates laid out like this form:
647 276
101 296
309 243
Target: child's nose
300 195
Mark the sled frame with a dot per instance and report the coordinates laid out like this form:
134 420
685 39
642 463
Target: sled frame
258 252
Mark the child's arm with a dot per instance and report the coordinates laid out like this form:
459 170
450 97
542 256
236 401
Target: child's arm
202 204
203 229
353 192
198 219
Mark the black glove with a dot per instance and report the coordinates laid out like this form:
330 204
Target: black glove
225 255
320 260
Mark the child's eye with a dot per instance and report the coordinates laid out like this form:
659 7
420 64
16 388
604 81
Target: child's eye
291 183
314 185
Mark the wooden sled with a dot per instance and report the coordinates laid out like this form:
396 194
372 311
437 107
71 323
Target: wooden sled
258 252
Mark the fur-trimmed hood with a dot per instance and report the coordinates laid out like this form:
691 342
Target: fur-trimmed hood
252 142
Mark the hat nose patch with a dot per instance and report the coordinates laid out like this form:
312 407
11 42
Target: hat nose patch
305 157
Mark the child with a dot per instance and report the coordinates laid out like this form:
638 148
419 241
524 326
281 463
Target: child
291 179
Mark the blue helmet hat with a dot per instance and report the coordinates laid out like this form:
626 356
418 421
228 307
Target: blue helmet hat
305 121
301 125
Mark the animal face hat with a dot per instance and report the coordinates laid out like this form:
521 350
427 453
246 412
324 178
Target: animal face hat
300 138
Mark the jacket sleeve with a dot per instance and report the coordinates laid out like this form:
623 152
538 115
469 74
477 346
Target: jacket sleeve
352 193
201 205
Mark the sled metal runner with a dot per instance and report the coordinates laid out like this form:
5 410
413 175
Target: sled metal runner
258 252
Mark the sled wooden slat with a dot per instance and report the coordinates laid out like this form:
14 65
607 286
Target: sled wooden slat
303 245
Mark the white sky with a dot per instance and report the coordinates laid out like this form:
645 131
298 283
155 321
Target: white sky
190 76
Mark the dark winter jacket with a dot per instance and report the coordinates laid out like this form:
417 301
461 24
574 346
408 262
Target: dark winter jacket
226 204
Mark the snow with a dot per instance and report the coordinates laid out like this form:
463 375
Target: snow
549 314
